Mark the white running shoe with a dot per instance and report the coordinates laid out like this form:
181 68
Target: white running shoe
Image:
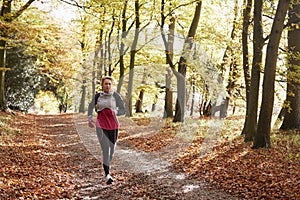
109 179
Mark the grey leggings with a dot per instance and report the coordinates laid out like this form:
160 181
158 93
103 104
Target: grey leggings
107 140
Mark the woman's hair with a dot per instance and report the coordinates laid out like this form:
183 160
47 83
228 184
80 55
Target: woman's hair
105 78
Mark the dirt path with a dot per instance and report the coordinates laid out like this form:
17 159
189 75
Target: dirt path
139 174
72 156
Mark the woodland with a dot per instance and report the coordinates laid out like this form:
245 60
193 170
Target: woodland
211 88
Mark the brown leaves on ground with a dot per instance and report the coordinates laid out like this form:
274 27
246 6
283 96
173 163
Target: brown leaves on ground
31 167
232 165
150 142
260 173
45 159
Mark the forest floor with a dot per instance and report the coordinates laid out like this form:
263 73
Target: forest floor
58 157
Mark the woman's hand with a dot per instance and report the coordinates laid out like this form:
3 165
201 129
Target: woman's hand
91 123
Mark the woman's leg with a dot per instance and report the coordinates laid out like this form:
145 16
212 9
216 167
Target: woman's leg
113 137
108 143
105 146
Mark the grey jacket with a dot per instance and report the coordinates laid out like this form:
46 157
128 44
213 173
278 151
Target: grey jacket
112 100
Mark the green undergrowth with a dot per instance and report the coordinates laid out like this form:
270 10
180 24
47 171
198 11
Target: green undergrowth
7 131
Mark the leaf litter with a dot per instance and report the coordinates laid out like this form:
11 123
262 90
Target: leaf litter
47 157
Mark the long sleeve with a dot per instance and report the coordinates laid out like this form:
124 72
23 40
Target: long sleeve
120 104
90 110
91 106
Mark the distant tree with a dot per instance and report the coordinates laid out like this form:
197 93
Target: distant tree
22 82
122 45
170 46
37 58
84 51
98 64
230 59
292 116
168 40
109 42
193 96
133 51
182 66
262 136
139 101
7 15
86 34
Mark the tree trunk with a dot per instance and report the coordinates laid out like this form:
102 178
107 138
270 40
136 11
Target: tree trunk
169 94
139 102
229 58
182 67
132 59
84 55
258 43
3 104
245 33
95 66
181 91
262 137
101 59
292 117
207 109
104 58
193 98
233 74
122 48
82 99
110 70
5 9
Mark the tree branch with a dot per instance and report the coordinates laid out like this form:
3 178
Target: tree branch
75 3
21 10
182 5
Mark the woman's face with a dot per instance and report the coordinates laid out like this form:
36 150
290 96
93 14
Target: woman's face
106 85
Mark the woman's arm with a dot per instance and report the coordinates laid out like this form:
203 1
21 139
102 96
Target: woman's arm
91 106
120 104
